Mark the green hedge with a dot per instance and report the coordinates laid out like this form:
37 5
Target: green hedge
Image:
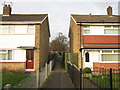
87 70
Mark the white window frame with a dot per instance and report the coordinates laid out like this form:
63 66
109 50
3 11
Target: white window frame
111 28
7 55
101 53
8 29
86 28
33 29
8 32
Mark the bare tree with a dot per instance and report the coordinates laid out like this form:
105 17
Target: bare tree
60 43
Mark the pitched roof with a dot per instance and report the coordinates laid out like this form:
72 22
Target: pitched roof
96 18
23 17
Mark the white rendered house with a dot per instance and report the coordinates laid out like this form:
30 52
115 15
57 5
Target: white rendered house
21 40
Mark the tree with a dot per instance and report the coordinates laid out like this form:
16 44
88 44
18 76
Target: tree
60 43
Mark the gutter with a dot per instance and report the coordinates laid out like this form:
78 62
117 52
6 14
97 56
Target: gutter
96 48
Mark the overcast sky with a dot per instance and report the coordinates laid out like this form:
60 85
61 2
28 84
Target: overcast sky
59 10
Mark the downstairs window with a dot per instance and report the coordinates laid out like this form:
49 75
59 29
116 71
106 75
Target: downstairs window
6 54
112 55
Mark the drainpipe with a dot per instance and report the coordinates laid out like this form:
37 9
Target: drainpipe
81 43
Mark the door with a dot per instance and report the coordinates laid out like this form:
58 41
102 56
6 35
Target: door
29 59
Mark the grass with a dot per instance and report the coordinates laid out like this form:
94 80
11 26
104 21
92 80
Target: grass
104 80
12 78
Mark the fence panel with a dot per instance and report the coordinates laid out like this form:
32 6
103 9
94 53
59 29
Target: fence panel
43 73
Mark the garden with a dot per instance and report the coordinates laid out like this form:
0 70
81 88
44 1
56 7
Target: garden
104 80
13 78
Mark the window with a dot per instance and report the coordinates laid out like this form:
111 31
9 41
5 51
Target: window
87 57
111 30
6 54
11 29
107 51
110 55
30 29
30 54
86 29
17 29
117 51
7 29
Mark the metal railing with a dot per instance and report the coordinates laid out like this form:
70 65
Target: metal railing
100 79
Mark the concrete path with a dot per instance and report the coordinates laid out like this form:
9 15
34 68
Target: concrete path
58 78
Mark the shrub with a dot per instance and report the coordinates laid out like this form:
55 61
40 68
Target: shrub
87 70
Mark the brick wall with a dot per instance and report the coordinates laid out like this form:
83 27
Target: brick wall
97 65
41 44
75 42
37 46
13 66
44 42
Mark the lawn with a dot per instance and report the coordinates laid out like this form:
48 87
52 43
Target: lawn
104 80
12 78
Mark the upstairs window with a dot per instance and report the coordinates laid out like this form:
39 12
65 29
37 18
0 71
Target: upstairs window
7 29
17 29
86 30
115 30
30 29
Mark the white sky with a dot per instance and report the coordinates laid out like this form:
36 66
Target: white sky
59 10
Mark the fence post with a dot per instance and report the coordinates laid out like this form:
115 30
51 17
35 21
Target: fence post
80 78
46 71
37 78
110 78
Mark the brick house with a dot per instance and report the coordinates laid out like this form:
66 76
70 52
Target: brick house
24 40
96 39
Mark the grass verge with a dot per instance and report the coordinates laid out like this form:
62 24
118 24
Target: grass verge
12 78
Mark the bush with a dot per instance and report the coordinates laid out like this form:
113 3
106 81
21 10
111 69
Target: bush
87 70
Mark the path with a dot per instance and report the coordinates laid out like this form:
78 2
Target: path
58 78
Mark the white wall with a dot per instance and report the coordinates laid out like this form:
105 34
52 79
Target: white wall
20 29
97 30
19 55
19 38
94 56
14 41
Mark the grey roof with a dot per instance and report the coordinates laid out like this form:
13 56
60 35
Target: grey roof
23 17
96 18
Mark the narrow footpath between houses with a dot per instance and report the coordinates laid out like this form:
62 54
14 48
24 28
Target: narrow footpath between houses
58 77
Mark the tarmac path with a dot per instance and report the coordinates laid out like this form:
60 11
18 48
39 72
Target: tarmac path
58 78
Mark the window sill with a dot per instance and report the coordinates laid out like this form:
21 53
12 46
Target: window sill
110 62
17 34
101 35
2 61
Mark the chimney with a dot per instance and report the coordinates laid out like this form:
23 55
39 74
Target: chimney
109 11
6 10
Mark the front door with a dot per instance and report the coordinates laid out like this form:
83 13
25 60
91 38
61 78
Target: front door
29 59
